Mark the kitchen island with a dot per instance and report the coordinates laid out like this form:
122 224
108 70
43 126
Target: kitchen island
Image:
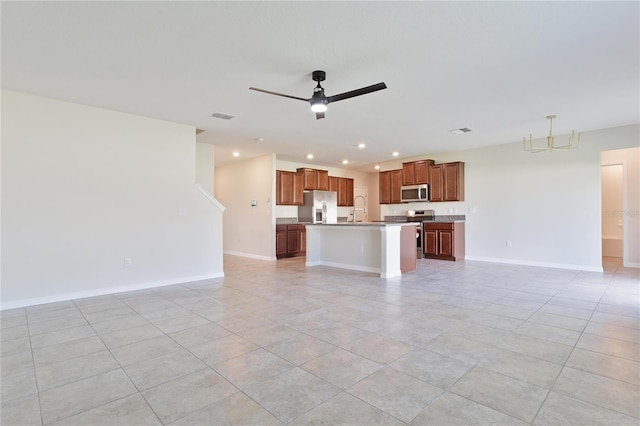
388 249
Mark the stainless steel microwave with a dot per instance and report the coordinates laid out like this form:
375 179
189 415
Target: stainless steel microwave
414 193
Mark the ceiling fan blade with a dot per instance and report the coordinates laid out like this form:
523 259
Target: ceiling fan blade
319 115
278 94
357 92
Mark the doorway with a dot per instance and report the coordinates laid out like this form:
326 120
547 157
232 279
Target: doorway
612 190
361 216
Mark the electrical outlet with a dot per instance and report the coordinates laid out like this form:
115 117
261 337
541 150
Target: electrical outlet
127 262
182 212
508 242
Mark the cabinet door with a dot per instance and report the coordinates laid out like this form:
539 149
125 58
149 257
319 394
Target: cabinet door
408 173
281 244
293 242
396 185
322 180
297 192
310 179
349 192
333 183
453 181
430 242
284 188
435 183
421 171
385 188
342 192
445 244
278 187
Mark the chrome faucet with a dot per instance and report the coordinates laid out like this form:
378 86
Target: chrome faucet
363 209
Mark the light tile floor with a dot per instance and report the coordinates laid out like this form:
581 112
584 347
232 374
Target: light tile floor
278 343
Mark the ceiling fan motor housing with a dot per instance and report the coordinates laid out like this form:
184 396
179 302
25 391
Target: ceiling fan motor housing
318 76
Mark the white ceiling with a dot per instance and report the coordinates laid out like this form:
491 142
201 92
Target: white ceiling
496 67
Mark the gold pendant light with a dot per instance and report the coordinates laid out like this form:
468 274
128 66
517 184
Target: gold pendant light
574 141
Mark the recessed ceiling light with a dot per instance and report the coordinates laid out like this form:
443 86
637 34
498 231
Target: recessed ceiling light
395 153
377 167
345 161
309 156
460 131
236 154
260 139
361 145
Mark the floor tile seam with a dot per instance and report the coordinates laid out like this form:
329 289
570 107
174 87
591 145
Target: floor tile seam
596 307
575 367
279 374
380 409
146 359
592 402
33 363
81 378
560 327
116 359
181 376
636 329
445 388
88 409
634 317
564 365
207 407
111 402
484 405
119 367
605 353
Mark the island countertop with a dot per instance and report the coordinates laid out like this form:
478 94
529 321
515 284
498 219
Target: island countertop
388 249
378 224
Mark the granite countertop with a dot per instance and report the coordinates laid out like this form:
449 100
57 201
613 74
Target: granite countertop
437 218
372 224
388 220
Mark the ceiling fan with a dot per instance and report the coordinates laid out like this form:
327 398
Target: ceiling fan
319 101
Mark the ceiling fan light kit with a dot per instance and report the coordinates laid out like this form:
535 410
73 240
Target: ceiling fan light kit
574 141
318 100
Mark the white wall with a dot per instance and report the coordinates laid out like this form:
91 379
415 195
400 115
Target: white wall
546 204
204 165
359 179
83 188
248 231
630 214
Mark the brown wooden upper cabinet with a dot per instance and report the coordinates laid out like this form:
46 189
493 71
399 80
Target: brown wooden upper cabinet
446 182
288 188
390 184
416 172
344 189
315 179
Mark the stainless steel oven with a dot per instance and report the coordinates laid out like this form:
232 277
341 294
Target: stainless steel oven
420 216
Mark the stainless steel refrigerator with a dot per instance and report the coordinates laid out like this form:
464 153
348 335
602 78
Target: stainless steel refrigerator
319 207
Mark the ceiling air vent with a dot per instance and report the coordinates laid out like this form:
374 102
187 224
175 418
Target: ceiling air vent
460 131
222 116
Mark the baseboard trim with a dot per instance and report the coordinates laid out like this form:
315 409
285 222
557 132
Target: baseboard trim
344 266
534 263
103 291
249 255
631 265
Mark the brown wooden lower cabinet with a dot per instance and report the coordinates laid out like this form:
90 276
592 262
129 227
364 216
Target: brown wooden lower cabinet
291 240
444 240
